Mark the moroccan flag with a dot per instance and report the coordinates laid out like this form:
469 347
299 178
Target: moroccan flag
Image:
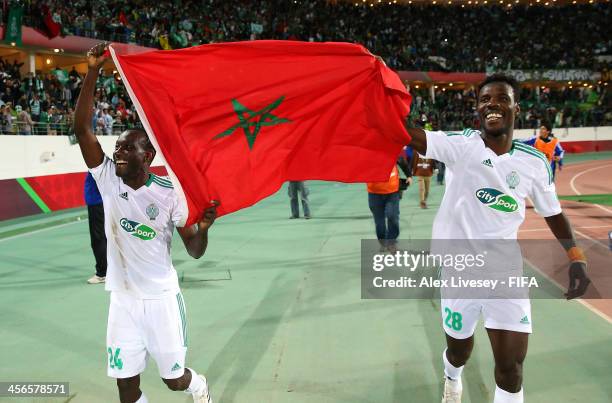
233 121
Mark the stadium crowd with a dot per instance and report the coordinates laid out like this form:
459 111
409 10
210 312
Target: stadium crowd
44 103
409 37
564 107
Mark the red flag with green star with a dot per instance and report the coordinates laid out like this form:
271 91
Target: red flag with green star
233 121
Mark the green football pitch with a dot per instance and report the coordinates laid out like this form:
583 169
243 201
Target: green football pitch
275 315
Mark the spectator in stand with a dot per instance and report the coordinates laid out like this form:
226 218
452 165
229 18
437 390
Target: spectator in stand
24 121
35 106
108 122
7 119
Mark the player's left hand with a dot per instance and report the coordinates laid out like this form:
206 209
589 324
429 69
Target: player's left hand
578 280
208 217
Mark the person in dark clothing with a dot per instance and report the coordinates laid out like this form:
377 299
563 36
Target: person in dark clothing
383 200
95 212
296 187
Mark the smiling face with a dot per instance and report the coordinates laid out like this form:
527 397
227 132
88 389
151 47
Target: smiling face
497 108
132 156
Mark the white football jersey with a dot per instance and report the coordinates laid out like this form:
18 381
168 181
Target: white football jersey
139 225
485 192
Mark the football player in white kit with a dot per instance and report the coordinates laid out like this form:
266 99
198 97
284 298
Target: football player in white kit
147 312
489 178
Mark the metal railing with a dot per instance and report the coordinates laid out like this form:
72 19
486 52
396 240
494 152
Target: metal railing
53 129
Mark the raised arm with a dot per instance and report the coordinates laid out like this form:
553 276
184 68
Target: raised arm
90 148
578 280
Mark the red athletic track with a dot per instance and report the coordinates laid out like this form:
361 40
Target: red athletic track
591 223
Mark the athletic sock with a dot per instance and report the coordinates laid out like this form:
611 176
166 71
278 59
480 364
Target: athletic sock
501 396
196 385
143 399
449 370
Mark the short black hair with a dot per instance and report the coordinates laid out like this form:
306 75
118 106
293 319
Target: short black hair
502 78
547 125
144 138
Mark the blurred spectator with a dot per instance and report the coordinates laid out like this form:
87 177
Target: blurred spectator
423 169
298 191
25 121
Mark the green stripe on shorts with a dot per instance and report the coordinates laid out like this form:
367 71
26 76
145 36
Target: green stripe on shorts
181 305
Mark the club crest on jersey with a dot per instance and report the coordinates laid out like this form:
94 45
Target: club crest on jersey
513 179
152 211
137 229
497 200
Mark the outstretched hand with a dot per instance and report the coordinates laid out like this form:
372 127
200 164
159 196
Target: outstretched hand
578 280
208 217
96 56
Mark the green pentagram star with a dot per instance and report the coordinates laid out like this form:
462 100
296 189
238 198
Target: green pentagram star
252 121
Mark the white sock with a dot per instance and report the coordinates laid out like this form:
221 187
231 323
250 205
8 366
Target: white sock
196 385
501 396
450 371
143 399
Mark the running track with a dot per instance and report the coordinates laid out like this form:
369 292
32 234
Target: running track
591 224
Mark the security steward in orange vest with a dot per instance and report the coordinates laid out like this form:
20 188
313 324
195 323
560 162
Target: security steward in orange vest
383 199
549 145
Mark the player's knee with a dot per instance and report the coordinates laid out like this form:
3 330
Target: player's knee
458 356
509 375
126 383
128 386
174 384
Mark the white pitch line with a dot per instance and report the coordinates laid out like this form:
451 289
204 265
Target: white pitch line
40 230
578 192
548 229
606 247
562 288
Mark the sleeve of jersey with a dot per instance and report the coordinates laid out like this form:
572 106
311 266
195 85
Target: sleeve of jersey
179 216
104 174
447 147
544 195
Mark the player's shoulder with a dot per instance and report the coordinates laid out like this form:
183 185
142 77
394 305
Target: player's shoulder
470 134
528 152
160 182
531 158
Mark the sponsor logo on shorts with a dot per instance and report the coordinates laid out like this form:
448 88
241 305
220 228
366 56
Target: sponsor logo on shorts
525 320
137 229
497 200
